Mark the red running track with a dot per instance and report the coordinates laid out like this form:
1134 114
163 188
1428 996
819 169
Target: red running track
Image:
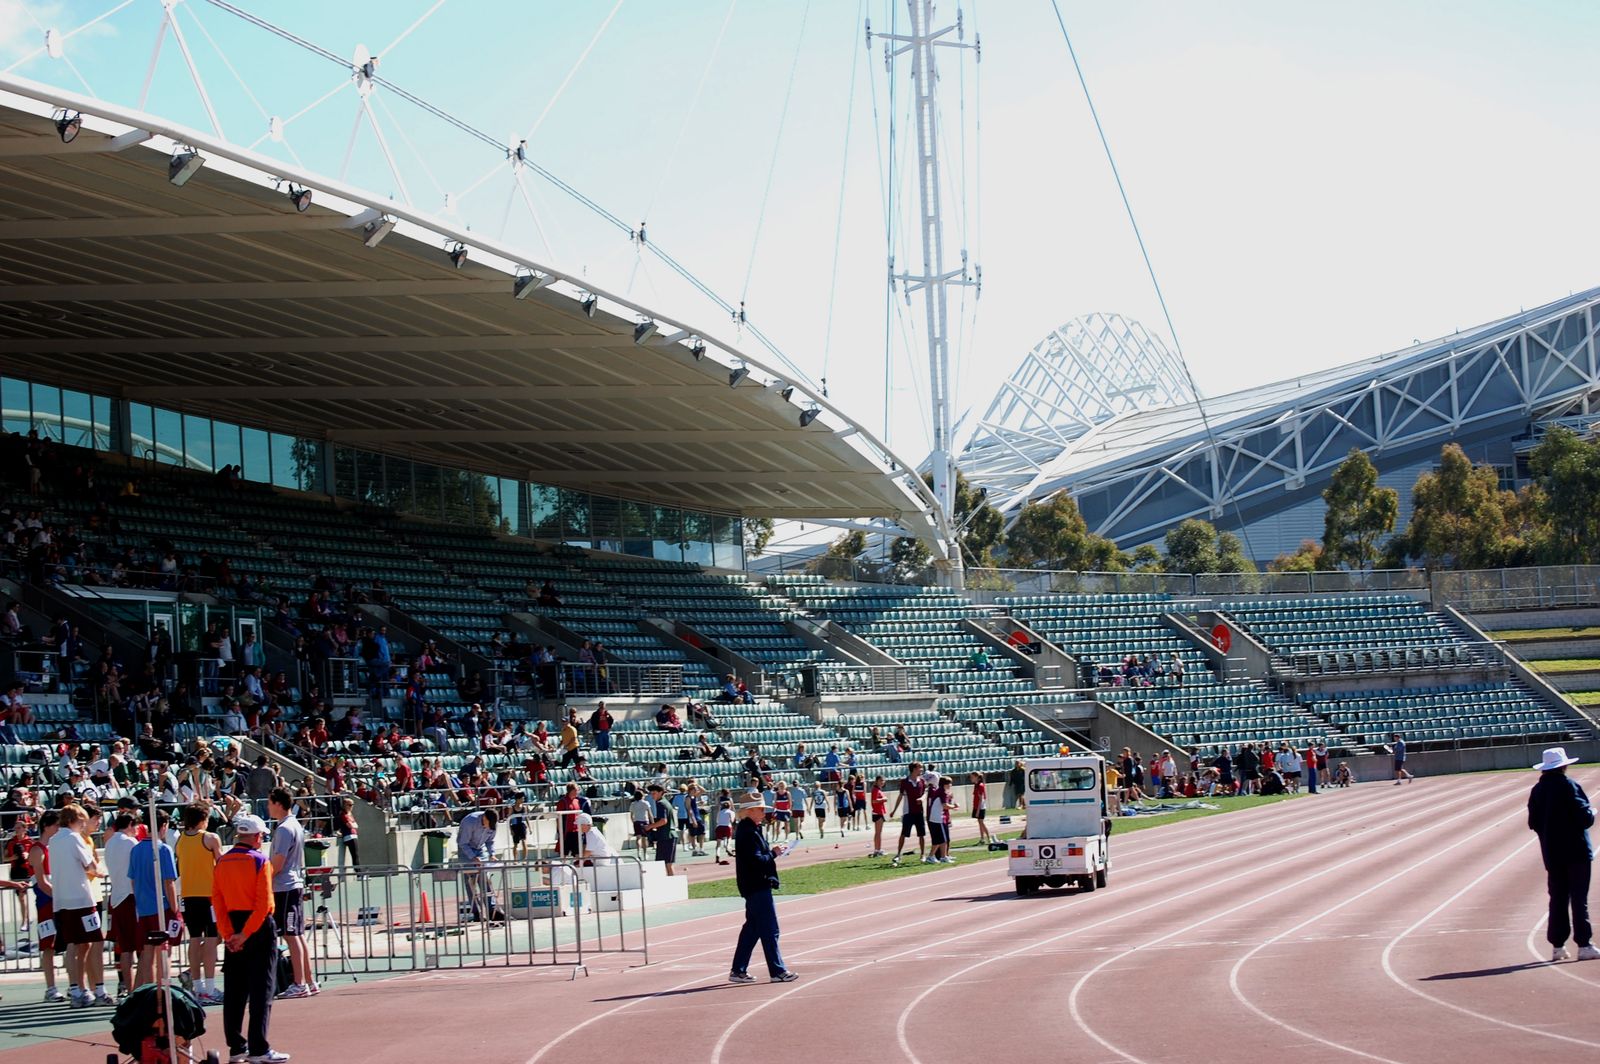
1389 924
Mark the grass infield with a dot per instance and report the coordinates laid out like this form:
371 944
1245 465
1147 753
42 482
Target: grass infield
1557 666
855 871
1533 635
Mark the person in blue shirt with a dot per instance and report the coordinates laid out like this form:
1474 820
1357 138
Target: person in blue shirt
155 910
756 872
1560 813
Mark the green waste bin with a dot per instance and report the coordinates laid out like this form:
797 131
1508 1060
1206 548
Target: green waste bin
436 841
317 853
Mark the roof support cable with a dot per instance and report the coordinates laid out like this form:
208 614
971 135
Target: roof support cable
1177 346
777 147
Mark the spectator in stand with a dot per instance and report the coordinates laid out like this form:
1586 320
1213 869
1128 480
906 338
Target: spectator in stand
667 720
548 599
734 691
601 722
980 660
709 752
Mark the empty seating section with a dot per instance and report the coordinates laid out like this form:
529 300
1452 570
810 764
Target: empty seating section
1105 629
1342 623
935 739
513 571
1480 712
730 609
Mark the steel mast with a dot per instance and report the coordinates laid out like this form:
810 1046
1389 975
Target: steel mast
935 279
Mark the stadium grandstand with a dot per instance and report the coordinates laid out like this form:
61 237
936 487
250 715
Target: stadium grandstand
316 507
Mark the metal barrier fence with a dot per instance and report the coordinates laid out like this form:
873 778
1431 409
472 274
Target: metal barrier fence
490 915
871 680
1531 588
1387 659
579 678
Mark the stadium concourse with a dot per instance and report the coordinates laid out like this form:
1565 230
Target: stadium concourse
1384 923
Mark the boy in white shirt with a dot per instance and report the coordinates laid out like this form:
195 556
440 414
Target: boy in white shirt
73 868
124 911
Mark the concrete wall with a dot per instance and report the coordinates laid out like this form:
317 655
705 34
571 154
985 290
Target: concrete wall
1556 618
1447 762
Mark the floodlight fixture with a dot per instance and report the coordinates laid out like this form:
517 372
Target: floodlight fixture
373 232
68 125
528 283
809 415
698 349
787 393
184 164
738 374
590 305
458 255
300 197
643 331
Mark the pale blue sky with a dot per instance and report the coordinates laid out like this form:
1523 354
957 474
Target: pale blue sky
1317 183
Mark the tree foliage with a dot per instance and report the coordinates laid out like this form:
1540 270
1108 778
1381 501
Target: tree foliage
981 524
1460 517
1195 546
1358 513
909 560
1566 507
1308 559
1052 533
757 534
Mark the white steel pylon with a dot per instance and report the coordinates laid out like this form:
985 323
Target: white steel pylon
934 280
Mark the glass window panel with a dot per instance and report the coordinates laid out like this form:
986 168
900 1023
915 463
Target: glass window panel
14 399
283 460
105 433
169 436
369 478
728 551
47 411
606 524
344 473
575 517
306 464
636 520
544 512
257 459
197 442
224 444
399 491
511 513
667 534
141 429
697 537
426 500
77 419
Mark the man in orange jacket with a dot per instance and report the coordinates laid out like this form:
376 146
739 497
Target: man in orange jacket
241 900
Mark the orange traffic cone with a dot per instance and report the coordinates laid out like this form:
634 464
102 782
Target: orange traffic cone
427 913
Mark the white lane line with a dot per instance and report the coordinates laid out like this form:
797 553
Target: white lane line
1233 974
716 1055
1388 966
1542 953
1077 989
1272 827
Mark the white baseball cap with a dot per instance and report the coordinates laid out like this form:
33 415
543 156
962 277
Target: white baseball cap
249 824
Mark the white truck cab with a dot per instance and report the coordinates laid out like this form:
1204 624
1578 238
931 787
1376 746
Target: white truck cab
1068 825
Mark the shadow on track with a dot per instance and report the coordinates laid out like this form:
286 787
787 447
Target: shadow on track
1482 972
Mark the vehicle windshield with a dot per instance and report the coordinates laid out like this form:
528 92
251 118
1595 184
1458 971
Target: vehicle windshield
1062 779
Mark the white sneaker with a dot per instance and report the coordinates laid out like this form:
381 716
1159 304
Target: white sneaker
211 997
294 991
271 1056
241 1057
102 998
947 860
80 999
1558 954
741 977
895 863
1588 953
930 860
54 994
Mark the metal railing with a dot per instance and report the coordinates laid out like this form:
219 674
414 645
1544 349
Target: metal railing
871 680
579 678
1400 659
1530 588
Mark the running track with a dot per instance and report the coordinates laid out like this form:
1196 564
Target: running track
1387 924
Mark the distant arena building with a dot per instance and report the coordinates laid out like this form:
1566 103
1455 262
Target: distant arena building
1101 409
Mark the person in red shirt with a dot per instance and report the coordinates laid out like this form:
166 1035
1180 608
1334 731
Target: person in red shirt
1311 768
880 813
913 791
568 806
980 807
403 776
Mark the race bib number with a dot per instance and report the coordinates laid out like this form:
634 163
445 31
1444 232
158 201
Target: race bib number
174 928
91 922
47 929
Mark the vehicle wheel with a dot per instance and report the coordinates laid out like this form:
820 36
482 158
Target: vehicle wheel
1101 877
1057 882
1087 884
1024 886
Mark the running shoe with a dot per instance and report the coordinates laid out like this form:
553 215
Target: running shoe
103 998
80 999
741 977
895 863
271 1056
241 1056
314 988
785 977
1558 954
930 860
54 994
1588 953
295 991
211 997
947 860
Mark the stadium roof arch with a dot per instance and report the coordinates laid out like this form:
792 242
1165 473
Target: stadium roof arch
351 321
1139 473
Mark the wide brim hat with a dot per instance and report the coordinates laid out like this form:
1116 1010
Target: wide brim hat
1555 757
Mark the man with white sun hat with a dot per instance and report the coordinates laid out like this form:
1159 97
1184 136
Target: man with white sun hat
1560 813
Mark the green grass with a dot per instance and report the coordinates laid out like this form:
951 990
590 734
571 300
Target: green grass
1558 666
855 871
1529 635
1585 698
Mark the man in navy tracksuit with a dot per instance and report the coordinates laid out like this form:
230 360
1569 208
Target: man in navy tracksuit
756 868
1561 814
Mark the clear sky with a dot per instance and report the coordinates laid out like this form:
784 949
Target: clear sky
1317 182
